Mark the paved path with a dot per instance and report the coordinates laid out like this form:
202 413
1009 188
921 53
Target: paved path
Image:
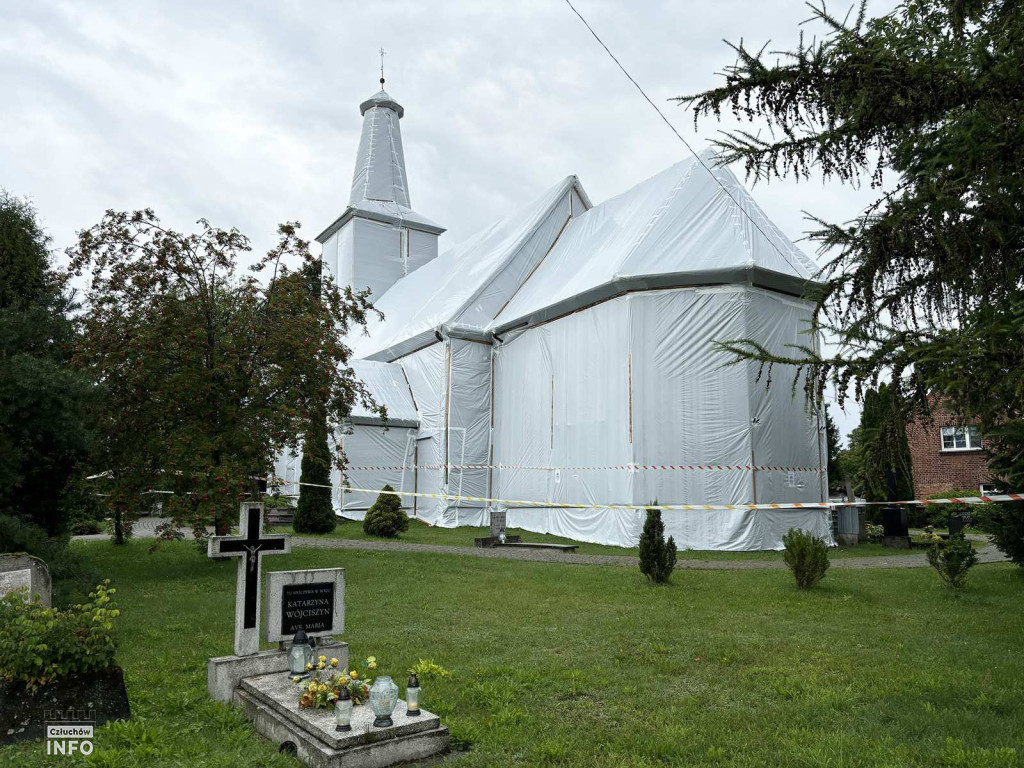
145 527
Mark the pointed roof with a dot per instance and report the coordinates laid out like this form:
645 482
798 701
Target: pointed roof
380 184
380 162
678 228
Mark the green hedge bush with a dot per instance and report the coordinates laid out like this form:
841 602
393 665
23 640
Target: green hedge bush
952 559
657 556
40 644
806 556
386 517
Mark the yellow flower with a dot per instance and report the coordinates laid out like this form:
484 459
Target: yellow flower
296 679
320 665
353 674
334 662
373 665
309 666
371 659
323 658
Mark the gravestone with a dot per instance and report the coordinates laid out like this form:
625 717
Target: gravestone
25 571
249 548
225 673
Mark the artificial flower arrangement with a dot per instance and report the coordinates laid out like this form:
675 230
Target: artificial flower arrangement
320 690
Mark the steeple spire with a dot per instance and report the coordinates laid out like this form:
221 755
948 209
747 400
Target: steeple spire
380 162
383 53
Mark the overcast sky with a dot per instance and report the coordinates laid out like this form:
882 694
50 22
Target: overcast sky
247 113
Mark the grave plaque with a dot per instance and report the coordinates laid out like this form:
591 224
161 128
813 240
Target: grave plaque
309 607
312 600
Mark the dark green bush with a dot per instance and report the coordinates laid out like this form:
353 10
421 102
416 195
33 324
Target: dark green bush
386 517
1004 523
657 556
39 644
952 559
806 556
937 515
86 528
315 511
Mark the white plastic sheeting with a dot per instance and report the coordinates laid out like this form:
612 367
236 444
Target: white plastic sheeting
567 353
655 417
679 224
389 387
481 273
380 160
376 457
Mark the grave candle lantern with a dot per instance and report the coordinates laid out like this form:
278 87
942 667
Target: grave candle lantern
412 696
343 710
300 654
383 700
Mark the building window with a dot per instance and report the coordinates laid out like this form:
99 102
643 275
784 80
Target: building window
961 438
988 489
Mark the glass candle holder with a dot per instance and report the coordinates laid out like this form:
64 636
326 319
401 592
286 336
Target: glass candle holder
412 696
343 710
383 700
300 654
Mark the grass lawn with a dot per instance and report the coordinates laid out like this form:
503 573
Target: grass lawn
588 666
421 533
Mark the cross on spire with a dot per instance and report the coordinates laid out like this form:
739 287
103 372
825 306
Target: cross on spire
249 548
383 53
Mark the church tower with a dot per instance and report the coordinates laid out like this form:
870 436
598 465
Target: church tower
379 239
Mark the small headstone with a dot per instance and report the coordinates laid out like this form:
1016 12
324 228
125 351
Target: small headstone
18 571
311 600
249 548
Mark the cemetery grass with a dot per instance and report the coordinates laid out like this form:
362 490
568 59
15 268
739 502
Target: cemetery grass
567 665
421 533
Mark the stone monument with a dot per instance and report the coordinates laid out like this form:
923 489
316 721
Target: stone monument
25 571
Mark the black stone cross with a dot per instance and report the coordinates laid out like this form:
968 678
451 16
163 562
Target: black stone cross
249 548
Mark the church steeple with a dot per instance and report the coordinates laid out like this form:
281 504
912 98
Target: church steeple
379 238
380 161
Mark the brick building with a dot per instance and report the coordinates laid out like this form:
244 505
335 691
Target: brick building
946 455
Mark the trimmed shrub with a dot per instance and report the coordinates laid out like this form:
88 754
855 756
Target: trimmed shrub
86 528
657 556
315 512
39 644
386 517
806 556
952 559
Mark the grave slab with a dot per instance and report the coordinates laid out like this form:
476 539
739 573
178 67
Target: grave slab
225 673
271 702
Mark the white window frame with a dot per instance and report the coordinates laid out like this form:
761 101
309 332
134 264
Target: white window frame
954 439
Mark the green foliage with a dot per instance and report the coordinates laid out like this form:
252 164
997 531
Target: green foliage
278 501
43 430
1004 523
86 528
875 533
386 517
40 644
207 375
806 556
925 288
952 559
836 478
657 556
315 512
427 669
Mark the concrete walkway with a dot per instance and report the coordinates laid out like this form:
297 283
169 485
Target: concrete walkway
145 527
